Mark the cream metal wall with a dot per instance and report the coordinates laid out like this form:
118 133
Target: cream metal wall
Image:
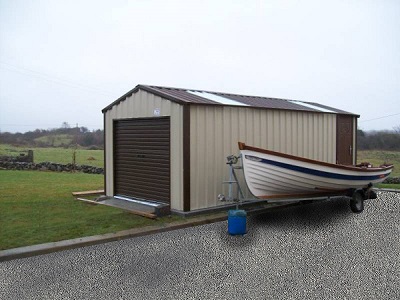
215 131
143 105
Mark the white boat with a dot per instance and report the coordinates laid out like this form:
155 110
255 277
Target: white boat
271 174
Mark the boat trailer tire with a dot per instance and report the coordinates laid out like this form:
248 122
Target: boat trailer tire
357 202
372 194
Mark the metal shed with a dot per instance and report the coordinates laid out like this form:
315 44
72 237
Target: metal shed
170 144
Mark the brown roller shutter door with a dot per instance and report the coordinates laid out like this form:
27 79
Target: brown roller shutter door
142 158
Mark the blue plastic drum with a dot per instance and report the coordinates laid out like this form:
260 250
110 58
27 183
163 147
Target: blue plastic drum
237 222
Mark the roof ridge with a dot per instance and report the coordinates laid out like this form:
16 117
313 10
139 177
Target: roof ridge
218 93
184 96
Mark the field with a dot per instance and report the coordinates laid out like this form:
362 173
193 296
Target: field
377 157
58 155
37 207
56 140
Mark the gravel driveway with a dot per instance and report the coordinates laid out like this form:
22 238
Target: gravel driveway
314 251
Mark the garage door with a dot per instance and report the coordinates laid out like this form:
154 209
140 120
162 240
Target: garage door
142 158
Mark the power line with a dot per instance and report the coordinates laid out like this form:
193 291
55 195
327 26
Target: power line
378 118
46 77
31 125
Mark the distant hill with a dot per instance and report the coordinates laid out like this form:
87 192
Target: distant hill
59 137
56 140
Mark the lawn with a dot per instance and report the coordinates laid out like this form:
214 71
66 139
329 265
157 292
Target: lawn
37 207
58 155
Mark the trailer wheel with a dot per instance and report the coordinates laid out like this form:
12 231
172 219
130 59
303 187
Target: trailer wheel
372 194
357 203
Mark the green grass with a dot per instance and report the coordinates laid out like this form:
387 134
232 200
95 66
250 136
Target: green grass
58 155
388 186
37 207
377 157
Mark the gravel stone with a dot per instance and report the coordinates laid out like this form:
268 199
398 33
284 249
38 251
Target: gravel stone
315 251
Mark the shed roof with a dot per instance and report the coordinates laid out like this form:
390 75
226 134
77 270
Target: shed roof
200 97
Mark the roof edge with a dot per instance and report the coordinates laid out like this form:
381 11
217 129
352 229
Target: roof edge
153 89
150 89
132 91
146 88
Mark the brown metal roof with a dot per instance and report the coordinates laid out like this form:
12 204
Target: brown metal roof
190 96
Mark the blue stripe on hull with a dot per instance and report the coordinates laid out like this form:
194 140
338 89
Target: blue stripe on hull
316 172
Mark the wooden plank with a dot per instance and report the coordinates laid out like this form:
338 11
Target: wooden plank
88 201
86 193
135 212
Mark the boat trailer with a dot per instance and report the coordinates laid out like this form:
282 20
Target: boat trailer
357 196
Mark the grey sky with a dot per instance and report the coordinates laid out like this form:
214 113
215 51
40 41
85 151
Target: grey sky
66 60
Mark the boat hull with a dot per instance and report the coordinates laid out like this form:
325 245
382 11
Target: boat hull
271 174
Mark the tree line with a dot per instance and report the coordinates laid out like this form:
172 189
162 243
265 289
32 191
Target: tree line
366 140
379 140
65 136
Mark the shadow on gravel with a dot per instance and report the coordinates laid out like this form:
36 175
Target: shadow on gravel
312 215
302 216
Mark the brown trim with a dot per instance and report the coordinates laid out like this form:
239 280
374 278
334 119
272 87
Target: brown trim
113 155
186 158
243 146
356 141
104 154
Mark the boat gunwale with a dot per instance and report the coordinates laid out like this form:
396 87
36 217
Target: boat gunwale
330 193
243 146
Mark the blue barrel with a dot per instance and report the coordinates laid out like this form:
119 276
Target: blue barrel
237 222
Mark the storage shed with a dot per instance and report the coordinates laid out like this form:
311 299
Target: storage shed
170 144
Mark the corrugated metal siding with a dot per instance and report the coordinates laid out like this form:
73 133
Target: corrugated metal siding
215 132
139 105
142 158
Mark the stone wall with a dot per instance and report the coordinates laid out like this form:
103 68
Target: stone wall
22 157
392 180
49 166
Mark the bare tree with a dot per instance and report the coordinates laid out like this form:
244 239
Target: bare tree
65 125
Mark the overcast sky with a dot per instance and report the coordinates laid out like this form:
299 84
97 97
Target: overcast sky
64 61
